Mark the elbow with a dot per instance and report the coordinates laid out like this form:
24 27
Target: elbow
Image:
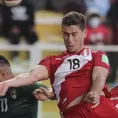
34 79
100 79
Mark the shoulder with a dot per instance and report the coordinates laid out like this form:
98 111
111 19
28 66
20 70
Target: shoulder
99 52
100 59
99 55
53 57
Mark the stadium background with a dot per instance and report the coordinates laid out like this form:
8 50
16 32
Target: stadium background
48 28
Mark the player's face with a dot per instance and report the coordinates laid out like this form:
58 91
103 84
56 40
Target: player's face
73 37
4 74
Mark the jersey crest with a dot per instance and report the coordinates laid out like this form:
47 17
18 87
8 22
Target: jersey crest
13 94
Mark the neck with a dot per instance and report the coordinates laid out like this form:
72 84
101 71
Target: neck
80 49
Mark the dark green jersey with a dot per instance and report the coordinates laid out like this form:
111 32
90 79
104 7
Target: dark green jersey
19 103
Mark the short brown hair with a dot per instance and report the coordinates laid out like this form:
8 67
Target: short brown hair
74 18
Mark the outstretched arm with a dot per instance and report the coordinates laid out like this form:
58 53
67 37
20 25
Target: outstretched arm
44 93
38 73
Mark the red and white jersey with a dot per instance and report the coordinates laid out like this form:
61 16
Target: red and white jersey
71 73
114 96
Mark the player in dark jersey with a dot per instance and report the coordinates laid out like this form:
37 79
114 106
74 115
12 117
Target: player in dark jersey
18 102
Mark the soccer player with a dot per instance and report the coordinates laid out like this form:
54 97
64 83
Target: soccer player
18 102
114 96
78 75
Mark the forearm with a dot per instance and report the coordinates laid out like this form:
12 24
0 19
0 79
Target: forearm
98 84
36 74
21 80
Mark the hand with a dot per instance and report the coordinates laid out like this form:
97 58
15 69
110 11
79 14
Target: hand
3 88
93 98
43 93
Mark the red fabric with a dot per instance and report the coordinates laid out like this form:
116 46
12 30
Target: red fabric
115 101
98 60
100 35
72 83
114 96
105 109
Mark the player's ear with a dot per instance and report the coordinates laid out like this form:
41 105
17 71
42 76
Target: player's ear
84 33
3 73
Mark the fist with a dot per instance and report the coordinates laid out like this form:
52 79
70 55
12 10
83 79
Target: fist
92 97
3 88
43 93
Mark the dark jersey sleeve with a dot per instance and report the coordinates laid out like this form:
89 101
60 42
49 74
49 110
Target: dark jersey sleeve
29 89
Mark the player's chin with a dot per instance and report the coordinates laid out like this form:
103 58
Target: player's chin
70 49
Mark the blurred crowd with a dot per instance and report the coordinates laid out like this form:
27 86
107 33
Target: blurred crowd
102 22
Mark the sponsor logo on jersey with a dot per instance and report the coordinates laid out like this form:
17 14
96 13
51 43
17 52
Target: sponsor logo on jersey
85 52
105 59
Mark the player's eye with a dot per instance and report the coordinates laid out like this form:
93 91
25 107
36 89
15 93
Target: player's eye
3 73
74 34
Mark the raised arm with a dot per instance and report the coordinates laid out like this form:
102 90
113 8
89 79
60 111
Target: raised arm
38 73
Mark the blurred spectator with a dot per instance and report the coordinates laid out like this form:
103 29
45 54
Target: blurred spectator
98 33
38 4
112 1
55 5
19 21
74 5
101 5
112 18
66 5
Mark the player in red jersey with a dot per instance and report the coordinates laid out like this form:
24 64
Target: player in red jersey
77 76
114 96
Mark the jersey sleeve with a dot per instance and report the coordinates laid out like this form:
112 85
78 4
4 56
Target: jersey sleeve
47 62
30 88
101 59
